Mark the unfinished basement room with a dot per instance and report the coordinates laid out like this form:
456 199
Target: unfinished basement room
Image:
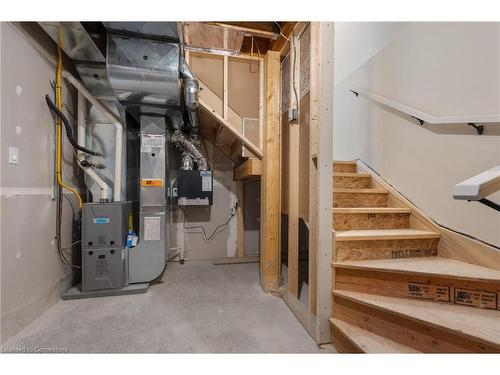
250 187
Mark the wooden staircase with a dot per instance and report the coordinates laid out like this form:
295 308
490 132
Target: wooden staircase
392 291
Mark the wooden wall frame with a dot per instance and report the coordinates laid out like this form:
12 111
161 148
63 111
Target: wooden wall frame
317 211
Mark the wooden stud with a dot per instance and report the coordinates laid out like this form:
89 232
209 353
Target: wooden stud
261 103
270 185
228 126
324 37
313 173
293 183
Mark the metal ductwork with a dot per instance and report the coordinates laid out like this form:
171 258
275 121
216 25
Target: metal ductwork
135 72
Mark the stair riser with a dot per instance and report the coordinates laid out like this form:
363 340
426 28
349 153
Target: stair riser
341 343
348 182
359 200
344 168
348 221
418 335
422 287
385 249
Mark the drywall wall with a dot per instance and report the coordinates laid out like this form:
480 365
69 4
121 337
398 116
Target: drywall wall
357 42
190 239
32 278
443 69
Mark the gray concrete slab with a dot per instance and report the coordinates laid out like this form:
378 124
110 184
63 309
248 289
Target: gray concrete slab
196 308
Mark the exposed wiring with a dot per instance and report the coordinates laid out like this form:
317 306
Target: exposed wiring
281 31
292 42
293 72
203 232
251 55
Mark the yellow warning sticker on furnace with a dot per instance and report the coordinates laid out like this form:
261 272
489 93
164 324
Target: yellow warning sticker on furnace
155 182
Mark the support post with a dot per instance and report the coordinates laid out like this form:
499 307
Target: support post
322 37
270 181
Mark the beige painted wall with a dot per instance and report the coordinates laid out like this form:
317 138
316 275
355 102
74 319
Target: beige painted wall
442 69
224 196
32 278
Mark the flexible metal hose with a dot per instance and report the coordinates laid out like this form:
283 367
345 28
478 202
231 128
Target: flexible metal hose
69 131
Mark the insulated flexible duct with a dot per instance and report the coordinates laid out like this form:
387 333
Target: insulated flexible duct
191 88
188 146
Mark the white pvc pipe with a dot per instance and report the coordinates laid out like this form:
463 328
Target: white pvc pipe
104 192
118 131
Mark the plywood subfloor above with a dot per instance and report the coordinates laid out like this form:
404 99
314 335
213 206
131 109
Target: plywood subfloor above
383 234
476 324
432 266
367 341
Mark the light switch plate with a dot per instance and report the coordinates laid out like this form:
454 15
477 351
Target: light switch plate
13 155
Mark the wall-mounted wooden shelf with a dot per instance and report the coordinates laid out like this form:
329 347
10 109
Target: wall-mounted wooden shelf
250 169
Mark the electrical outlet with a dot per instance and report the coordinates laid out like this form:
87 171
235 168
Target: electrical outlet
292 114
13 155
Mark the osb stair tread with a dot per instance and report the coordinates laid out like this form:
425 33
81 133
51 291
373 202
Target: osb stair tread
360 191
367 341
431 266
351 174
477 324
383 234
371 210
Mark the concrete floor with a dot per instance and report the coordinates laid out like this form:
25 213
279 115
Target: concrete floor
196 308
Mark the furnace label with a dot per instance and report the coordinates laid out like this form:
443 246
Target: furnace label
152 228
150 141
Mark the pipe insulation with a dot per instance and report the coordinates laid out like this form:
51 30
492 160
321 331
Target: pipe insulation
118 131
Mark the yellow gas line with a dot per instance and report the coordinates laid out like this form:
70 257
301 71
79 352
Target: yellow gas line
59 131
